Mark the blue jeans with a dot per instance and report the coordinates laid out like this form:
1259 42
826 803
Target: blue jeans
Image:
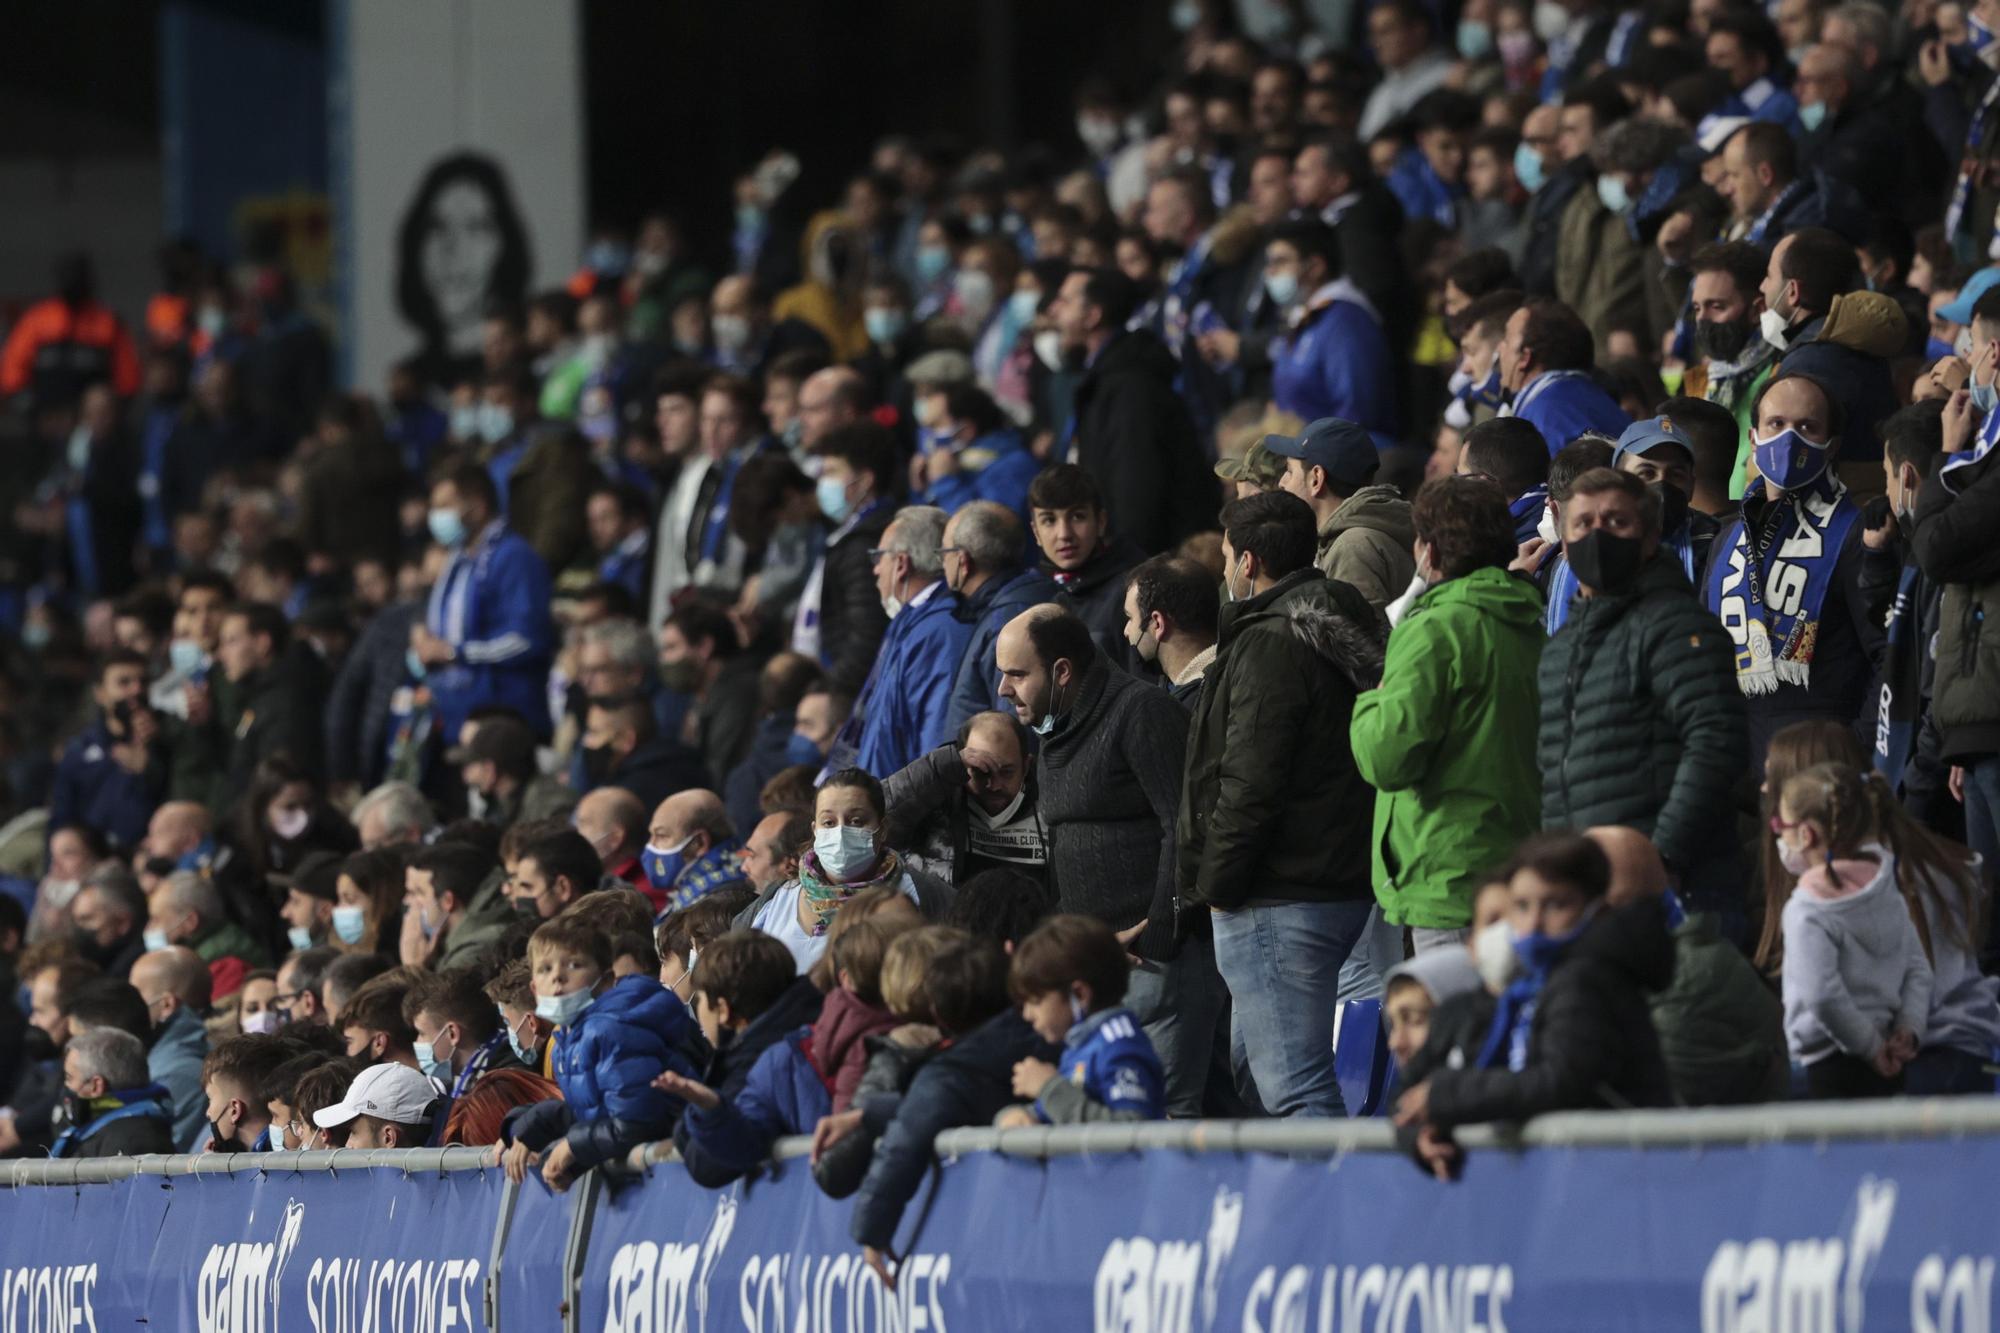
1282 963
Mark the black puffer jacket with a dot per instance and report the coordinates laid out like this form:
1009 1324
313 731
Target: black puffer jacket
1591 1042
1273 805
1135 438
1642 722
1955 547
893 1062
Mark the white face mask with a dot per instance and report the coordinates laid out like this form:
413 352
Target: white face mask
1048 349
844 852
1493 954
1775 327
1795 860
290 823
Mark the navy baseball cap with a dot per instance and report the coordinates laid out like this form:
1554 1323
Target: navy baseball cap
1342 448
1647 434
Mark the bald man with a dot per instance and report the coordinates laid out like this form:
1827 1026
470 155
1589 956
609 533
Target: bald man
693 850
178 837
175 985
188 910
613 821
828 400
1721 1028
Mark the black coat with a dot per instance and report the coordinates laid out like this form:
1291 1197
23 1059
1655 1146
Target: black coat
1545 213
656 770
1135 438
1370 232
357 708
1097 595
729 1069
851 618
1591 1042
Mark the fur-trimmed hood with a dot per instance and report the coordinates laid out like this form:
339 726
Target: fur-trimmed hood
1331 618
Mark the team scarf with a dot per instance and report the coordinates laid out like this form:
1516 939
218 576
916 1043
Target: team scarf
826 894
1901 704
1563 585
1800 533
1528 509
1989 430
1730 381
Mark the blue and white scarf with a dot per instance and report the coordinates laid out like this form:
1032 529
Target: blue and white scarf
1527 509
1793 553
1563 585
1989 431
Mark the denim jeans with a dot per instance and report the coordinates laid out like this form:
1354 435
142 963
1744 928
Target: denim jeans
1180 1004
1282 962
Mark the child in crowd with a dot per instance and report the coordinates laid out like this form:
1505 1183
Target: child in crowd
1416 989
612 1039
751 1004
682 935
854 1009
1857 987
513 994
234 1078
1068 977
315 1091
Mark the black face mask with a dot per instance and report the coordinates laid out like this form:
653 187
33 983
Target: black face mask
220 1142
598 761
1673 506
1604 561
73 1111
91 950
1721 340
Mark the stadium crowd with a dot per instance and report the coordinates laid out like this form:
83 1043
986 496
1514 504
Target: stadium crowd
1489 512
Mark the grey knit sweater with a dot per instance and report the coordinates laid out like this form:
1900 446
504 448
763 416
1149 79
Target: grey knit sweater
1110 793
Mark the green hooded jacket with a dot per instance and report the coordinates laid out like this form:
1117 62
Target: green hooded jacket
1448 742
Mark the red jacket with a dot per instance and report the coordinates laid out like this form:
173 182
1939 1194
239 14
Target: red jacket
49 323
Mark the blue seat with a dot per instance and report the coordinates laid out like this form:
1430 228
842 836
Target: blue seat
1361 1061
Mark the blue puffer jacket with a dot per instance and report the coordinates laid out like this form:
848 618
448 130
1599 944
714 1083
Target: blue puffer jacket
784 1094
905 710
711 1156
605 1064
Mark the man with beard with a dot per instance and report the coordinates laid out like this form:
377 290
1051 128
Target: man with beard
969 806
1730 361
1171 607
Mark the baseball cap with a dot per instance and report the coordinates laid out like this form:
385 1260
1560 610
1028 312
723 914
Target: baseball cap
942 368
1646 434
1714 132
505 741
1258 466
316 875
1959 310
390 1092
1342 448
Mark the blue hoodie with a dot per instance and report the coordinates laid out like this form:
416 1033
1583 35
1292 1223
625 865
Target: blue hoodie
1108 1071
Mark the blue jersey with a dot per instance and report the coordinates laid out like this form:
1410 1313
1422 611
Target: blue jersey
1109 1056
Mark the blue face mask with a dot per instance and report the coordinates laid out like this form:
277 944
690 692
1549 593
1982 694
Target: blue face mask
1812 115
884 325
833 499
203 853
1984 396
447 527
799 750
300 937
563 1010
185 655
348 923
156 940
1528 168
1789 460
664 864
932 261
1611 192
1935 349
1538 953
1487 391
521 1052
1022 306
1475 39
428 1061
1048 722
1283 287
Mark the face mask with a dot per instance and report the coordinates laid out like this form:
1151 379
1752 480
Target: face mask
156 940
749 217
1789 460
1475 39
1049 349
833 501
299 937
1538 953
447 528
1795 860
845 852
974 290
732 332
1721 340
1937 349
884 326
1984 396
429 1061
1487 391
1516 47
185 655
1551 20
1961 346
496 423
1022 306
597 764
932 261
261 1024
1812 115
1604 561
1099 134
1673 506
892 606
1611 192
1528 168
219 1141
36 635
1282 287
1493 955
563 1010
1048 722
521 1052
348 923
1775 327
464 421
664 864
289 823
682 677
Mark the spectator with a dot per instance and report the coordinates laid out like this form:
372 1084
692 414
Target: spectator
830 398
786 679
1805 644
1267 762
311 890
108 919
400 1108
692 851
1334 361
1170 602
461 1043
984 568
974 453
345 976
904 706
371 1022
1545 368
1130 430
612 1039
1734 358
1364 532
456 896
969 805
1332 180
275 684
1760 166
239 1120
1512 455
113 775
613 822
188 910
1660 453
840 620
175 986
392 814
855 1009
1448 736
771 853
616 516
66 342
553 870
114 1108
1414 992
301 995
1843 338
1412 64
368 907
502 774
1638 725
622 750
1086 563
1744 48
486 639
1068 977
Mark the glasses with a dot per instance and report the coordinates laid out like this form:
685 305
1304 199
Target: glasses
951 550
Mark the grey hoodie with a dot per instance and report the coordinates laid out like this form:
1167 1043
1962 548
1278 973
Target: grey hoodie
1854 967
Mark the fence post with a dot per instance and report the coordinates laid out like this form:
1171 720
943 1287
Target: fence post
501 1225
580 1218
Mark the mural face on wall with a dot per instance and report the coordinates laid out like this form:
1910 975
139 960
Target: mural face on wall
461 251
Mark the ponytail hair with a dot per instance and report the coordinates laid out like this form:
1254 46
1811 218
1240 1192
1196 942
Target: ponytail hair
1835 797
1929 868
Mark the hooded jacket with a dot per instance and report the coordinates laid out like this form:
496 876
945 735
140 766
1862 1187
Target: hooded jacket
1854 966
1954 547
1135 438
1272 805
893 1059
1367 541
1722 1031
1848 350
1002 597
760 1076
1448 741
838 1046
827 298
1096 593
1591 1042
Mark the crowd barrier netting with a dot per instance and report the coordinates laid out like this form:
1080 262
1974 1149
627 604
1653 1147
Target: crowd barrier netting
1822 1219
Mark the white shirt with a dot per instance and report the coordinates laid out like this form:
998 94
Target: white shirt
670 567
780 918
1398 92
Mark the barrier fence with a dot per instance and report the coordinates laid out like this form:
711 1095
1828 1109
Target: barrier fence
1812 1218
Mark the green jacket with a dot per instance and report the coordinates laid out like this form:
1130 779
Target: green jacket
1642 722
229 940
486 919
1448 742
1271 804
1722 1031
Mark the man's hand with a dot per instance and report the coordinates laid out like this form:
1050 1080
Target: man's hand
831 1129
411 946
430 649
515 1160
689 1091
559 1167
939 464
979 770
1958 421
1948 376
1128 937
883 1265
1031 1076
1436 1151
1414 1106
1933 65
1883 535
1529 558
1015 1117
1955 784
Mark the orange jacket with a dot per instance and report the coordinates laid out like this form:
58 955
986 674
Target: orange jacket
53 321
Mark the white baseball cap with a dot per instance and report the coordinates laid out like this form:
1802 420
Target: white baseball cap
391 1092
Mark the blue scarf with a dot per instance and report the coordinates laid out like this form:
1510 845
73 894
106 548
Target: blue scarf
1799 532
1514 1016
1989 430
1527 510
1901 705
